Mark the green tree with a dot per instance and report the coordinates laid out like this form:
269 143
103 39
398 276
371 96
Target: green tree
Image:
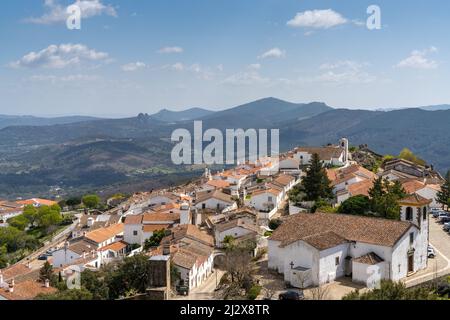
3 257
95 284
390 290
20 222
91 201
73 202
49 216
155 239
30 213
443 196
46 273
132 274
316 184
74 294
384 196
357 205
407 154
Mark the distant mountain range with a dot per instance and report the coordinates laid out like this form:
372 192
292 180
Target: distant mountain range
6 121
80 154
176 116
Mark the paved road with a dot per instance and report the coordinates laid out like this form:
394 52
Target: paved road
55 242
206 290
440 265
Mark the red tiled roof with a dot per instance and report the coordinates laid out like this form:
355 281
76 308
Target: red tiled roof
377 231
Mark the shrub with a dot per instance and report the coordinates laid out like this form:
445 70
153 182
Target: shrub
254 292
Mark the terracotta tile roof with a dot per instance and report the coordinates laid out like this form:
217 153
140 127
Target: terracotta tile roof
103 234
191 232
341 175
326 240
184 259
26 290
284 179
223 226
134 219
217 194
415 200
218 183
377 231
42 202
161 216
155 227
272 191
360 188
82 246
15 271
116 246
370 259
412 185
166 207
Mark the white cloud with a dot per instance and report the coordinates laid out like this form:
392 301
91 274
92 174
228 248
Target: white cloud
133 66
58 57
177 66
342 72
254 66
250 77
318 19
419 60
273 53
57 13
68 78
167 50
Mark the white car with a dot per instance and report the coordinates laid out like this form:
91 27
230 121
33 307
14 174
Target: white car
431 254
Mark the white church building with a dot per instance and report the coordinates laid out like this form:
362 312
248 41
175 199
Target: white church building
314 249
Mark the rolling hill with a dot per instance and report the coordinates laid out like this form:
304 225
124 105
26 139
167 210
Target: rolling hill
135 152
185 115
7 121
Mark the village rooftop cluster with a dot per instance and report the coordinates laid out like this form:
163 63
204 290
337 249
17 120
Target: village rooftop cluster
195 222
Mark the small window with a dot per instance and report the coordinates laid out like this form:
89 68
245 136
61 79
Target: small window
270 199
424 213
336 260
409 214
203 205
411 238
135 233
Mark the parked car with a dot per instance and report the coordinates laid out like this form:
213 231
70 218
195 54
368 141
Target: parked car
291 295
442 214
43 257
444 219
431 253
436 213
446 226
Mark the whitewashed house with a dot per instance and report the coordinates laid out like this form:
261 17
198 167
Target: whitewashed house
215 200
266 201
192 254
329 155
313 249
237 228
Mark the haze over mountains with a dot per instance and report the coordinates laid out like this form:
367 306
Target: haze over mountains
92 154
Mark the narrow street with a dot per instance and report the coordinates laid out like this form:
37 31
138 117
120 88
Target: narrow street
439 266
206 290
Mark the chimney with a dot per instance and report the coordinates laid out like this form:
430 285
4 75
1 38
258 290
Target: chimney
166 249
1 278
11 286
47 283
84 254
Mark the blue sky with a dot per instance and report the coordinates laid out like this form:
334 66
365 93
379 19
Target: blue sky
140 56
